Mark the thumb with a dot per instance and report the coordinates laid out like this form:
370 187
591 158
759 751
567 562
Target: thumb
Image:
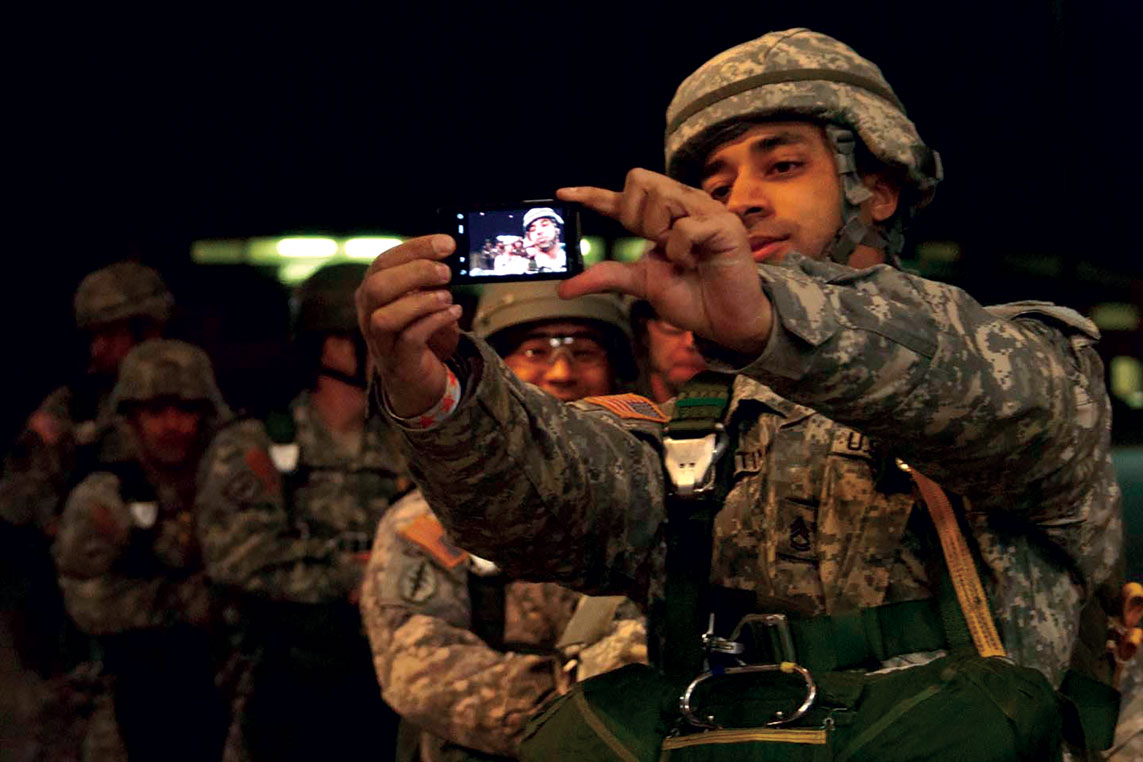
627 277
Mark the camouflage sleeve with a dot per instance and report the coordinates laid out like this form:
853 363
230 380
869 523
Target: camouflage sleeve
433 671
1005 405
34 478
95 529
247 536
578 493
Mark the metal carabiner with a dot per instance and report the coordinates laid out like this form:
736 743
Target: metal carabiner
779 718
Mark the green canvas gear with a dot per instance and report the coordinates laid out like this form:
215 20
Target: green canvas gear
901 714
121 291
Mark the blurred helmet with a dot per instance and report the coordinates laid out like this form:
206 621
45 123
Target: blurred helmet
506 306
169 370
121 291
324 302
538 213
797 73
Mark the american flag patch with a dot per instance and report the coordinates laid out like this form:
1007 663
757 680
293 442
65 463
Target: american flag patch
630 406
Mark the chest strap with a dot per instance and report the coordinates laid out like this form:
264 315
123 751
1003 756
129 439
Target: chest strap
693 443
861 640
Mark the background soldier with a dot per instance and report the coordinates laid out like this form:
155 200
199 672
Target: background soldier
461 651
667 354
130 564
809 170
287 521
116 307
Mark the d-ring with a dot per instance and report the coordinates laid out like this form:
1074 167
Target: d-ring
779 719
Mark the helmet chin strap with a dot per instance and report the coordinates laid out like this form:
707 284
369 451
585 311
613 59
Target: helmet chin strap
358 378
854 231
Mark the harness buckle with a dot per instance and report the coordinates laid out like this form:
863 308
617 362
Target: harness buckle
785 643
690 462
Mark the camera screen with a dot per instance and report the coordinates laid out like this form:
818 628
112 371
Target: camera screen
518 243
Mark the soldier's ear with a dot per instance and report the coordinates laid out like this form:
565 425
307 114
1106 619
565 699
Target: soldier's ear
886 195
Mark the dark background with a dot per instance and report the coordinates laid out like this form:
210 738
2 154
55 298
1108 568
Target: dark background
134 132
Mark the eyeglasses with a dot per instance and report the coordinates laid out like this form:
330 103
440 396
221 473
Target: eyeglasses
543 351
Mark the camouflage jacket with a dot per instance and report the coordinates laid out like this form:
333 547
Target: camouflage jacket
292 521
433 669
129 561
38 470
1005 406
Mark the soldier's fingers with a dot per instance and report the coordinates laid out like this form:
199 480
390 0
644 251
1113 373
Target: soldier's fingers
425 247
388 285
607 276
386 324
705 239
601 200
417 335
662 209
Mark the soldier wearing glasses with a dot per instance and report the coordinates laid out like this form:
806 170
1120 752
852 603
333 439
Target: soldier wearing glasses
461 652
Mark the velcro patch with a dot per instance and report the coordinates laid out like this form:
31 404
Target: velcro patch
629 406
427 533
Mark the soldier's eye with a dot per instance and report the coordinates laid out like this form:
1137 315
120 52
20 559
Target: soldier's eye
719 192
784 167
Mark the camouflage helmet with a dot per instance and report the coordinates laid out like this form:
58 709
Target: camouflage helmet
794 73
167 369
324 302
504 306
120 291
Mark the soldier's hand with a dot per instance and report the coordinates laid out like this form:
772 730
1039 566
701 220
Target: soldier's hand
700 275
406 314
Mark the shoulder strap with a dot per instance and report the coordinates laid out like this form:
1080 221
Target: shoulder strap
962 573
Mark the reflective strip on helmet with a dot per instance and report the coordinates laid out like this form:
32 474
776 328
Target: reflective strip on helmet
777 77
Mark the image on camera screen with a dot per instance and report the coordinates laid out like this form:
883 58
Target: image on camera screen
519 242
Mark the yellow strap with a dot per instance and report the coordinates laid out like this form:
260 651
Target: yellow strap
962 570
748 735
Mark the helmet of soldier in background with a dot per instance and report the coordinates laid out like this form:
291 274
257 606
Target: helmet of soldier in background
122 291
169 370
799 74
506 310
324 305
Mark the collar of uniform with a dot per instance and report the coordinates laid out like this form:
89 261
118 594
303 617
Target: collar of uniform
749 393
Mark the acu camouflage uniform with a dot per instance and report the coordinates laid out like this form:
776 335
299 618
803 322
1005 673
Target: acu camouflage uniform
461 651
296 534
287 515
129 561
436 668
38 472
1005 406
69 432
